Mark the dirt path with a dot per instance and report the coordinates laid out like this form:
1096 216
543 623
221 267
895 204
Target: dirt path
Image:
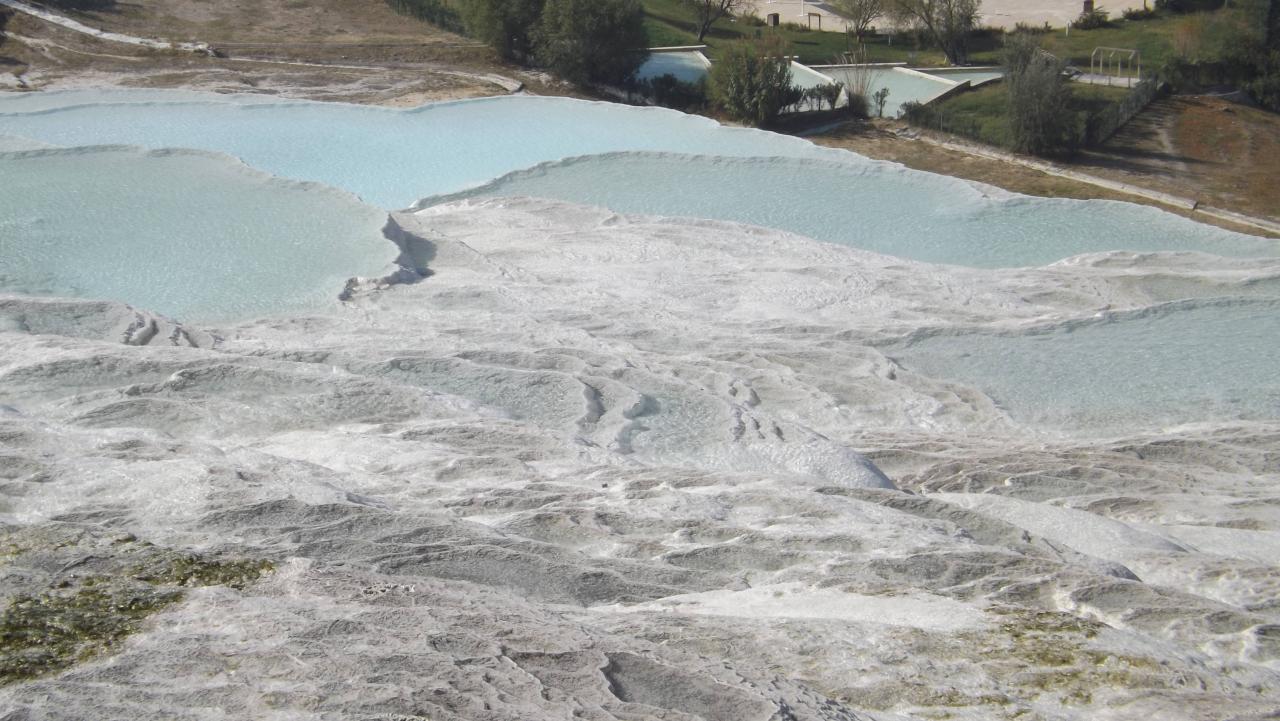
886 141
1219 153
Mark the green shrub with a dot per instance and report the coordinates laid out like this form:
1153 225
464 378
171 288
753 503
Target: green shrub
858 106
752 81
670 92
433 11
827 94
505 25
1041 120
1143 13
1092 20
880 97
591 41
1029 29
1265 86
1188 6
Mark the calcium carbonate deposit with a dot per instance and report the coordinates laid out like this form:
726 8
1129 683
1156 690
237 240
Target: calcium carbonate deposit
270 451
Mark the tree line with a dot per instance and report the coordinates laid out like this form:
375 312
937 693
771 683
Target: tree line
946 23
583 41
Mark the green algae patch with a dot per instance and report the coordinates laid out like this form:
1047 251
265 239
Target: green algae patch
103 590
49 632
1048 652
191 570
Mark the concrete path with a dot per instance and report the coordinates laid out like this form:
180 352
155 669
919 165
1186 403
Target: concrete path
1112 80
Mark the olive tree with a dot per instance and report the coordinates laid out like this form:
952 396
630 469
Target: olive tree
708 12
859 15
947 22
1041 120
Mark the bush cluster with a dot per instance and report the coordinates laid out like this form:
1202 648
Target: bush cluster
1188 6
591 41
583 41
1029 29
671 92
435 12
752 81
1143 13
1041 121
1092 20
1238 45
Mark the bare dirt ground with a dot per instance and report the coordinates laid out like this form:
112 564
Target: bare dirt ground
1221 153
344 50
1179 147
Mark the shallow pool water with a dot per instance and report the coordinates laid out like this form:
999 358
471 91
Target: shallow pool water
188 234
393 158
390 157
687 67
1205 360
867 207
903 85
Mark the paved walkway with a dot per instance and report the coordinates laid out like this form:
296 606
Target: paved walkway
1112 80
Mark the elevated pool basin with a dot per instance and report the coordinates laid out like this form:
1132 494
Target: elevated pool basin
394 158
866 205
687 66
904 85
201 236
190 234
1191 361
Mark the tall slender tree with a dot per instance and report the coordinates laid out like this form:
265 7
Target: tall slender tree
709 11
858 15
947 22
591 41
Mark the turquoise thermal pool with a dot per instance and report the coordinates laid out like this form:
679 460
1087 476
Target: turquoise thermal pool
388 157
188 234
204 237
688 66
1192 361
933 222
903 85
393 158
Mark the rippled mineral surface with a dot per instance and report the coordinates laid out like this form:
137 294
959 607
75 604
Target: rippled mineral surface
571 462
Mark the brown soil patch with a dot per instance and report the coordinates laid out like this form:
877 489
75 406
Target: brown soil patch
881 140
343 50
1220 153
877 140
268 21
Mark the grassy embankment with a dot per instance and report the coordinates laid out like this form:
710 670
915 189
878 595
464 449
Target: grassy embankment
983 114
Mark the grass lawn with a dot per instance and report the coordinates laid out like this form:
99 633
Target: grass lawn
1153 38
983 113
